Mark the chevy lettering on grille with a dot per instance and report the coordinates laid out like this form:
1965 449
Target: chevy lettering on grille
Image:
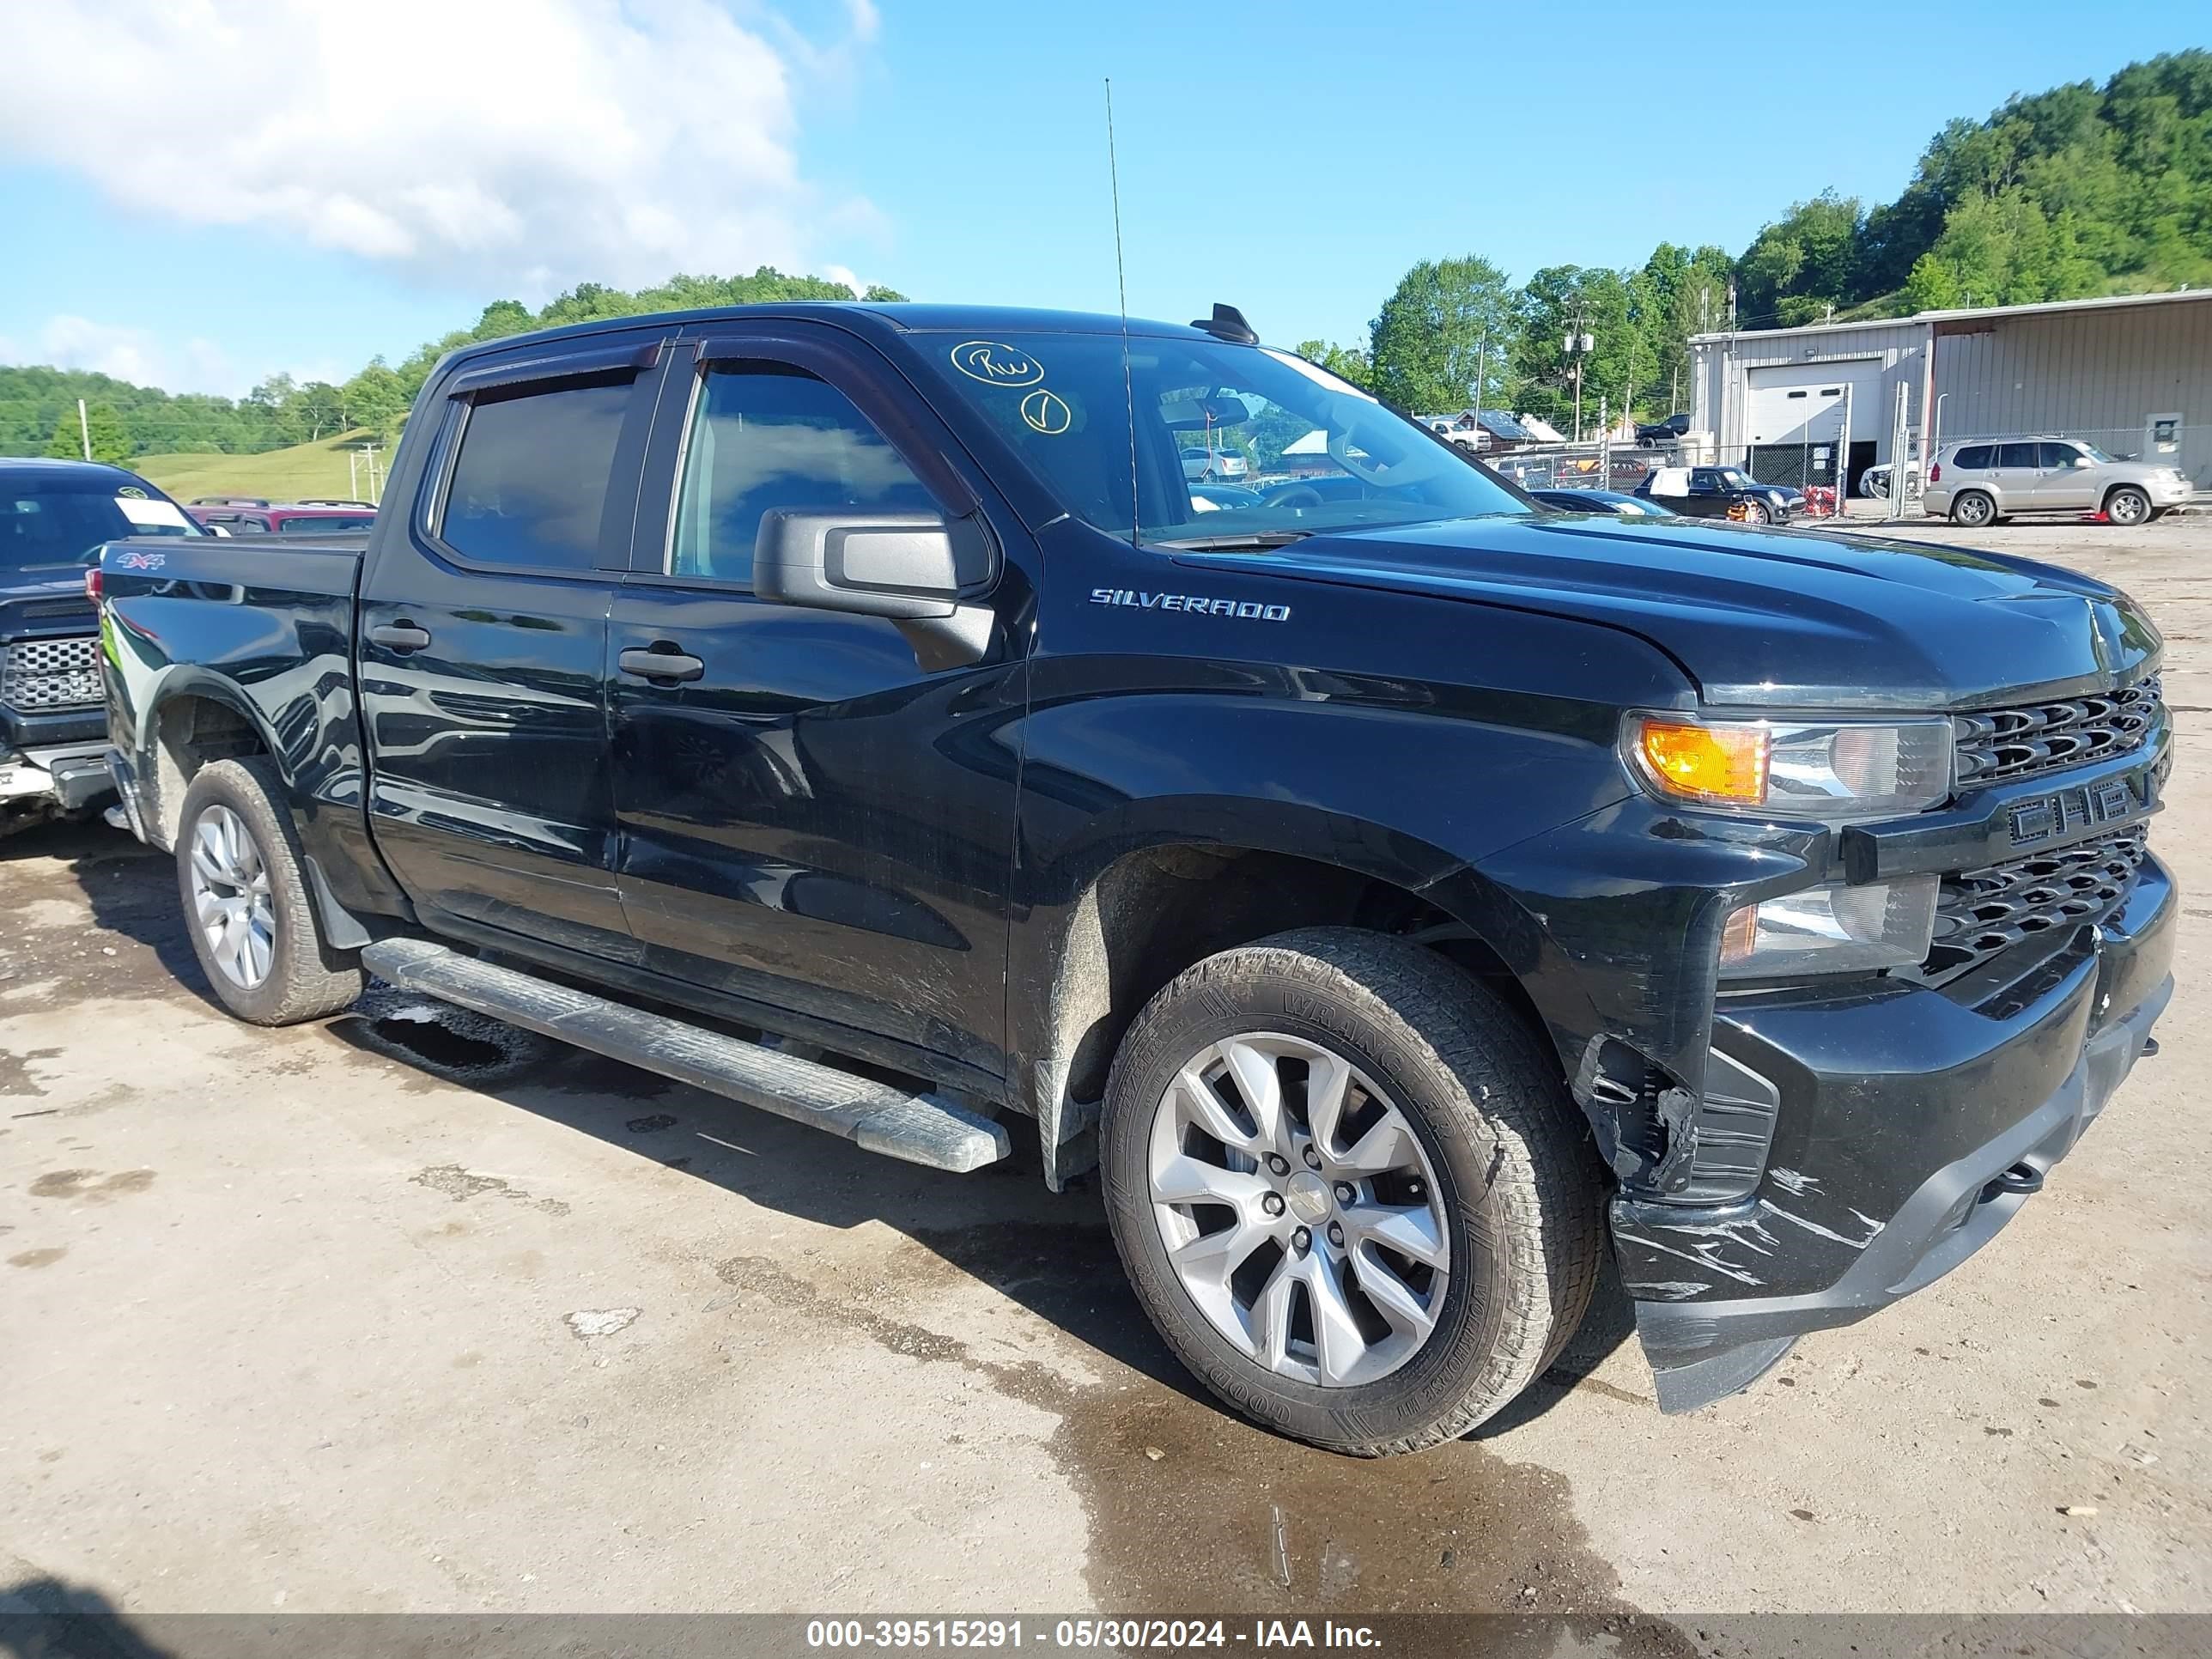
2082 807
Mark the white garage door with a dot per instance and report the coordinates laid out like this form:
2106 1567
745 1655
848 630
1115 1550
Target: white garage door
1802 402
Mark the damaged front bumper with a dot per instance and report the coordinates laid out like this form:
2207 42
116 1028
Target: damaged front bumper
1907 1124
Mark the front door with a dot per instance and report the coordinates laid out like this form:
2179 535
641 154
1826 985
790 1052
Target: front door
1708 498
482 644
2065 478
816 822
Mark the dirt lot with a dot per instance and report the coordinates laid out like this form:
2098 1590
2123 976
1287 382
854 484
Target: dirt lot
288 1321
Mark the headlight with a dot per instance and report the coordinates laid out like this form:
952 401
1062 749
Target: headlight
1835 929
1826 772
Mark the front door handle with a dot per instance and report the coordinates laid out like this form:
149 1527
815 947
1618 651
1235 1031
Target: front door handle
671 664
400 635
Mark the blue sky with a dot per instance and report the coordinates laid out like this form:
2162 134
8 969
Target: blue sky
1293 159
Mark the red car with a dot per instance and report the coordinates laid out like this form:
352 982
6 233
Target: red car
292 520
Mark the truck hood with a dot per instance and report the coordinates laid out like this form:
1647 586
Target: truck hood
44 599
1791 619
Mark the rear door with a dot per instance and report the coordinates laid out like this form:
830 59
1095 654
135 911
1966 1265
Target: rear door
482 642
2015 471
820 819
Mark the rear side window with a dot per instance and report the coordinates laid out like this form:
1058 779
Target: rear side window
2016 455
1973 458
530 484
767 435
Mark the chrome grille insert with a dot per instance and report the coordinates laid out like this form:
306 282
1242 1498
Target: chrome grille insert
1997 745
51 673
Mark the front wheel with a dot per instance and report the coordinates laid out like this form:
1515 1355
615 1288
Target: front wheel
1349 1189
253 925
1761 513
2128 506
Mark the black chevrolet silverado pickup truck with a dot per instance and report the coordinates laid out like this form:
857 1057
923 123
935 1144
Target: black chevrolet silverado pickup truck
1402 894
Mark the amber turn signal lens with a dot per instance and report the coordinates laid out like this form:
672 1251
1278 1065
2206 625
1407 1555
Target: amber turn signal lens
1739 937
1706 762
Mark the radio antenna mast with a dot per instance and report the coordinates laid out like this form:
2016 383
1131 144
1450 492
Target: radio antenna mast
1121 281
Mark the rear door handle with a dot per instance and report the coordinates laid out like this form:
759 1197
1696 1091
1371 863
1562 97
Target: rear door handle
661 665
400 635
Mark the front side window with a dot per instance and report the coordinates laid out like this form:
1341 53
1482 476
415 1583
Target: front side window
530 484
2058 455
1314 451
766 435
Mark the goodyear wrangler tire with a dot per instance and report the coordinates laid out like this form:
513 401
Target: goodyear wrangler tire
1349 1189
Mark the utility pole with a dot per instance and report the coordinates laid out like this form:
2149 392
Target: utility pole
1577 346
84 428
1705 309
1731 304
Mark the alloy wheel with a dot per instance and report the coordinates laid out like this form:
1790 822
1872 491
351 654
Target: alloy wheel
2127 507
231 902
1298 1209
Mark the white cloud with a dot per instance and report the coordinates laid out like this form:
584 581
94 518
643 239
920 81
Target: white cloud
146 358
516 145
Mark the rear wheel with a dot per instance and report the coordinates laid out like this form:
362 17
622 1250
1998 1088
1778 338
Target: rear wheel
253 925
2128 505
1349 1189
1973 509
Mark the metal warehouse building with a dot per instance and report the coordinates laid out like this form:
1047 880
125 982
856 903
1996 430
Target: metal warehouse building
2132 374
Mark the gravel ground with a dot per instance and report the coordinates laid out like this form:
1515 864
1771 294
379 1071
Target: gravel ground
295 1321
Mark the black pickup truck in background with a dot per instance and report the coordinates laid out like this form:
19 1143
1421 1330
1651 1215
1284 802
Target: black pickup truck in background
54 517
1399 892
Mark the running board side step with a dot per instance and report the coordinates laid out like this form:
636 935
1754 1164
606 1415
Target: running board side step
874 1117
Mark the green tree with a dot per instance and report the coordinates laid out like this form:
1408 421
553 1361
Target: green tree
1345 362
376 399
110 439
1448 319
1931 285
1810 255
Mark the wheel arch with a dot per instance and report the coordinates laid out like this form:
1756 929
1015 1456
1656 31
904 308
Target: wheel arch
1140 909
194 718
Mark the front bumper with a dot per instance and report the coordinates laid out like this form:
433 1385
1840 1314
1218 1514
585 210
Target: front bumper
1908 1127
68 777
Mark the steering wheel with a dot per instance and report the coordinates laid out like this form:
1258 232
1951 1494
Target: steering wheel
1296 495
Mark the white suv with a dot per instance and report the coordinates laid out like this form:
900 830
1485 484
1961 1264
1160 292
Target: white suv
1979 481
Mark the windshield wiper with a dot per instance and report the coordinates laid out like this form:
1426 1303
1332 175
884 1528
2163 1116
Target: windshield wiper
1236 539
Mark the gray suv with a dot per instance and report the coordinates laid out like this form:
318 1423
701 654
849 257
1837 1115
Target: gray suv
1978 482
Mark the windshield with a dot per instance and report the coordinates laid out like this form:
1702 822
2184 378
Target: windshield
59 521
2094 452
1734 477
1308 451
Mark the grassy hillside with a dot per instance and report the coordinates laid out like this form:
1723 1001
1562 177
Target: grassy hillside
280 475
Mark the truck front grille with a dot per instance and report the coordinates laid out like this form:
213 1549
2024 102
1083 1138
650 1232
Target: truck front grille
1985 911
37 674
1997 745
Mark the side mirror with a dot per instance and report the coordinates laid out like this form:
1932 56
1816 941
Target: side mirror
914 569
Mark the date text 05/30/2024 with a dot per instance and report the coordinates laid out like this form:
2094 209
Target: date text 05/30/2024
1262 1635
